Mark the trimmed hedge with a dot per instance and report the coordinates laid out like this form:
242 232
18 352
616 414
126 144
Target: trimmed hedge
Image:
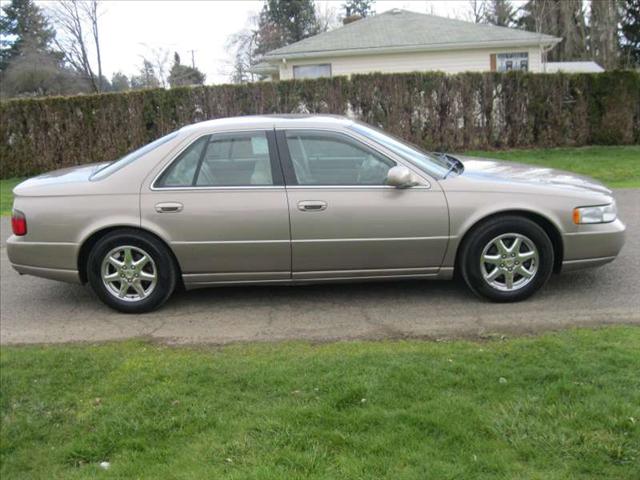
434 110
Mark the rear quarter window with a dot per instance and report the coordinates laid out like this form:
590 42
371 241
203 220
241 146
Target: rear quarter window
132 157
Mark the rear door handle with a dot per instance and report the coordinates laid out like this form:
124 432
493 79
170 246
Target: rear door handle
312 206
169 207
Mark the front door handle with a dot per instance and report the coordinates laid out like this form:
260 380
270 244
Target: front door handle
168 207
312 206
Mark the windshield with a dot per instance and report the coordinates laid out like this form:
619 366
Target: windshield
436 166
131 157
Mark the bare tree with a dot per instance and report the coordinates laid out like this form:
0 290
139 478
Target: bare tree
159 58
79 39
91 12
477 11
327 17
605 47
244 45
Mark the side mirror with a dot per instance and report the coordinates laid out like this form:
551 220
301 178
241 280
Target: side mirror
400 177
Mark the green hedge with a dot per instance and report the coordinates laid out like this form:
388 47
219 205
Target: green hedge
436 111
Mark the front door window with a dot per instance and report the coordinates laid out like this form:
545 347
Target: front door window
332 159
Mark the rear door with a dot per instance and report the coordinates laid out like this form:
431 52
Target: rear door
345 222
222 206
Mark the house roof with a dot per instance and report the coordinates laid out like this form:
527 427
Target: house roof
400 30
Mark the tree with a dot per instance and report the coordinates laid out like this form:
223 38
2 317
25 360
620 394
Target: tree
37 73
604 41
477 11
631 32
361 8
280 23
29 65
77 21
564 19
244 44
182 75
326 17
500 13
283 22
23 25
119 82
146 78
159 58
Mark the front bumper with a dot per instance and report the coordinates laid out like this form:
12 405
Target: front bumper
53 260
593 245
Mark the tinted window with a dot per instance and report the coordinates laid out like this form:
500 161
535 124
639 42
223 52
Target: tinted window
230 160
330 159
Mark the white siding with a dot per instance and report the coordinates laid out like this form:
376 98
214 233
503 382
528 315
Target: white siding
451 61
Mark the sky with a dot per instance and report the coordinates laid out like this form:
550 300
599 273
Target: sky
132 29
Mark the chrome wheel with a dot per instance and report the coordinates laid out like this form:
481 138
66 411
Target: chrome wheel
509 262
129 273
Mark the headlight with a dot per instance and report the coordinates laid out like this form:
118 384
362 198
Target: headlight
596 214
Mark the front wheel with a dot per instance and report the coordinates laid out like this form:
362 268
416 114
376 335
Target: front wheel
131 271
507 259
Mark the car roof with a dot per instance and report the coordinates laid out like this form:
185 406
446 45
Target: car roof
271 121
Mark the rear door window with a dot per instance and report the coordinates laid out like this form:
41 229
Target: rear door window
241 159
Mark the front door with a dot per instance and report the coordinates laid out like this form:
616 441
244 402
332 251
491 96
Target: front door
222 207
345 222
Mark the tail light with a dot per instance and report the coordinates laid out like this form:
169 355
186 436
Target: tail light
18 223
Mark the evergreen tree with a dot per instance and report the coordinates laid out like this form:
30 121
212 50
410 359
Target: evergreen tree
500 13
181 75
283 22
361 8
631 33
23 26
119 82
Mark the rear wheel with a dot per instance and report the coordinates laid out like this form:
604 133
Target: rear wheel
507 259
131 271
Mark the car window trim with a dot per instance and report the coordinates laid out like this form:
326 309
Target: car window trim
276 167
291 180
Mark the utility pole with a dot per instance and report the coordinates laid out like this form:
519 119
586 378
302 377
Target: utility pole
193 59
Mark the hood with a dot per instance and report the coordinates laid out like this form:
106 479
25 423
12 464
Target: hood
495 170
42 183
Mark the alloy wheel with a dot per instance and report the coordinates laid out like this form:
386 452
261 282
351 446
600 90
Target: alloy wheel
129 273
509 262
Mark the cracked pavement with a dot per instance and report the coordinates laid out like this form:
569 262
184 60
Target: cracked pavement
34 310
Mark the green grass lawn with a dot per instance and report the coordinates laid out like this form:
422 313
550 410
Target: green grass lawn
559 406
617 167
6 195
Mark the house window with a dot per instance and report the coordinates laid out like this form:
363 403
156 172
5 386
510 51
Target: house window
512 61
312 71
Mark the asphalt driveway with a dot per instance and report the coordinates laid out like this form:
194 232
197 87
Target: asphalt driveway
33 310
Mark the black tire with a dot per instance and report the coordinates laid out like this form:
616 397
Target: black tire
481 236
162 264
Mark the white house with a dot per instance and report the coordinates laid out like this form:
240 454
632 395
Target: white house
403 41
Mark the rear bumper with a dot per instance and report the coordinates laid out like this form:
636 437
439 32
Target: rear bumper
53 260
593 245
69 276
